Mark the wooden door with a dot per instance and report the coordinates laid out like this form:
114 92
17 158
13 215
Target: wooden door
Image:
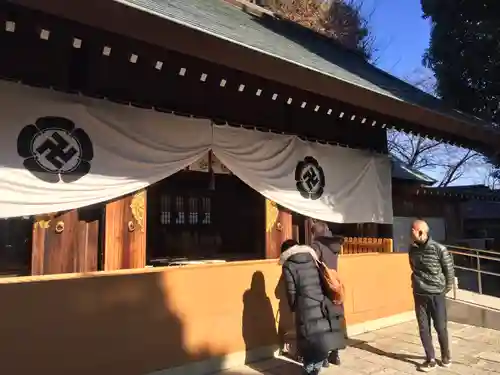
125 233
67 242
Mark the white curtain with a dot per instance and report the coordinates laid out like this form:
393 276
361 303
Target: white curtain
320 181
60 152
49 140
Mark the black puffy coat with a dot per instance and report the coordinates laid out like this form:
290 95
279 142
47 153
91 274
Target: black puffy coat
318 322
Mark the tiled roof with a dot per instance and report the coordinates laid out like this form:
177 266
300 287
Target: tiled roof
401 172
294 44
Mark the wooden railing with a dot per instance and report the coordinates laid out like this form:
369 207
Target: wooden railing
360 245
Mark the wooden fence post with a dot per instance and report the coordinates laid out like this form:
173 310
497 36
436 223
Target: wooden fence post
388 245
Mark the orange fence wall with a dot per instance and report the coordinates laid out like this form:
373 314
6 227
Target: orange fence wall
377 286
136 321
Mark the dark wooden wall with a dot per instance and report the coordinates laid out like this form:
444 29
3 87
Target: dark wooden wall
88 71
66 242
15 246
125 233
411 205
193 216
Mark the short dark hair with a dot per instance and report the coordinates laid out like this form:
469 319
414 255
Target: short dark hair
288 244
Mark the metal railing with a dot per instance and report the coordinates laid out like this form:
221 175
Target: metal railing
477 260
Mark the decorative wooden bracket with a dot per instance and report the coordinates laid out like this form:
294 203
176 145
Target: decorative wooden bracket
272 213
43 221
137 205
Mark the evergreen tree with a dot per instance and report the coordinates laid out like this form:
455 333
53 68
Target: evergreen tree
464 54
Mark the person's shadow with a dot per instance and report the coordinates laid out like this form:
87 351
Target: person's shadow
285 316
258 321
415 360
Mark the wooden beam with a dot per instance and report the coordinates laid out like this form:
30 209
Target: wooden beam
278 229
125 233
151 29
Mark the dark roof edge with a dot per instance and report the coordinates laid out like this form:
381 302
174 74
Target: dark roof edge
96 13
400 171
259 11
454 191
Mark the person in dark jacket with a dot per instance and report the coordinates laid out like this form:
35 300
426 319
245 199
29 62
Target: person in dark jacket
326 245
327 248
318 322
432 278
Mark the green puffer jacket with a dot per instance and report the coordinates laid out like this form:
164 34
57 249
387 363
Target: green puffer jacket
432 268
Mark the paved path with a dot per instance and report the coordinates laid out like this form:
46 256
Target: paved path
397 350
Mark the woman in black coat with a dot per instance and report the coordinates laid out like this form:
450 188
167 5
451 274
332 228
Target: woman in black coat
318 322
327 248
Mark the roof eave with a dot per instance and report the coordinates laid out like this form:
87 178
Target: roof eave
153 29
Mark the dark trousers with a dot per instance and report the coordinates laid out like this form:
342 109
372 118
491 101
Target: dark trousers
432 307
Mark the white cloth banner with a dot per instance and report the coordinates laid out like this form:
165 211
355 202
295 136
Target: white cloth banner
61 152
325 182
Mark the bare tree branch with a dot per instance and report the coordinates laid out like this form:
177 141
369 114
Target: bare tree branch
415 151
426 155
456 170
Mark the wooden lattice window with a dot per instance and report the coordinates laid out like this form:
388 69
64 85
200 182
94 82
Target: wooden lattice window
179 210
165 209
182 210
193 210
206 209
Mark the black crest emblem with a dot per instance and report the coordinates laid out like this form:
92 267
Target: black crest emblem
310 178
54 150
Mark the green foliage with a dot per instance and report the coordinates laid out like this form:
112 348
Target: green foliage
464 54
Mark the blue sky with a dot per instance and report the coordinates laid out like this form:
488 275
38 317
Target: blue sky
401 37
401 34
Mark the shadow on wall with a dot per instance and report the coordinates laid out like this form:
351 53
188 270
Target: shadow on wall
120 324
259 324
138 322
258 320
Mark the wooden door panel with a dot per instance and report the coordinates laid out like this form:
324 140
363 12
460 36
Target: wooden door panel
125 233
66 242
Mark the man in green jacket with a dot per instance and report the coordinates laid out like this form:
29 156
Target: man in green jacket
432 278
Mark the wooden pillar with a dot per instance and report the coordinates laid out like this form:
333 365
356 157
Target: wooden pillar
125 233
308 223
278 229
370 230
66 242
